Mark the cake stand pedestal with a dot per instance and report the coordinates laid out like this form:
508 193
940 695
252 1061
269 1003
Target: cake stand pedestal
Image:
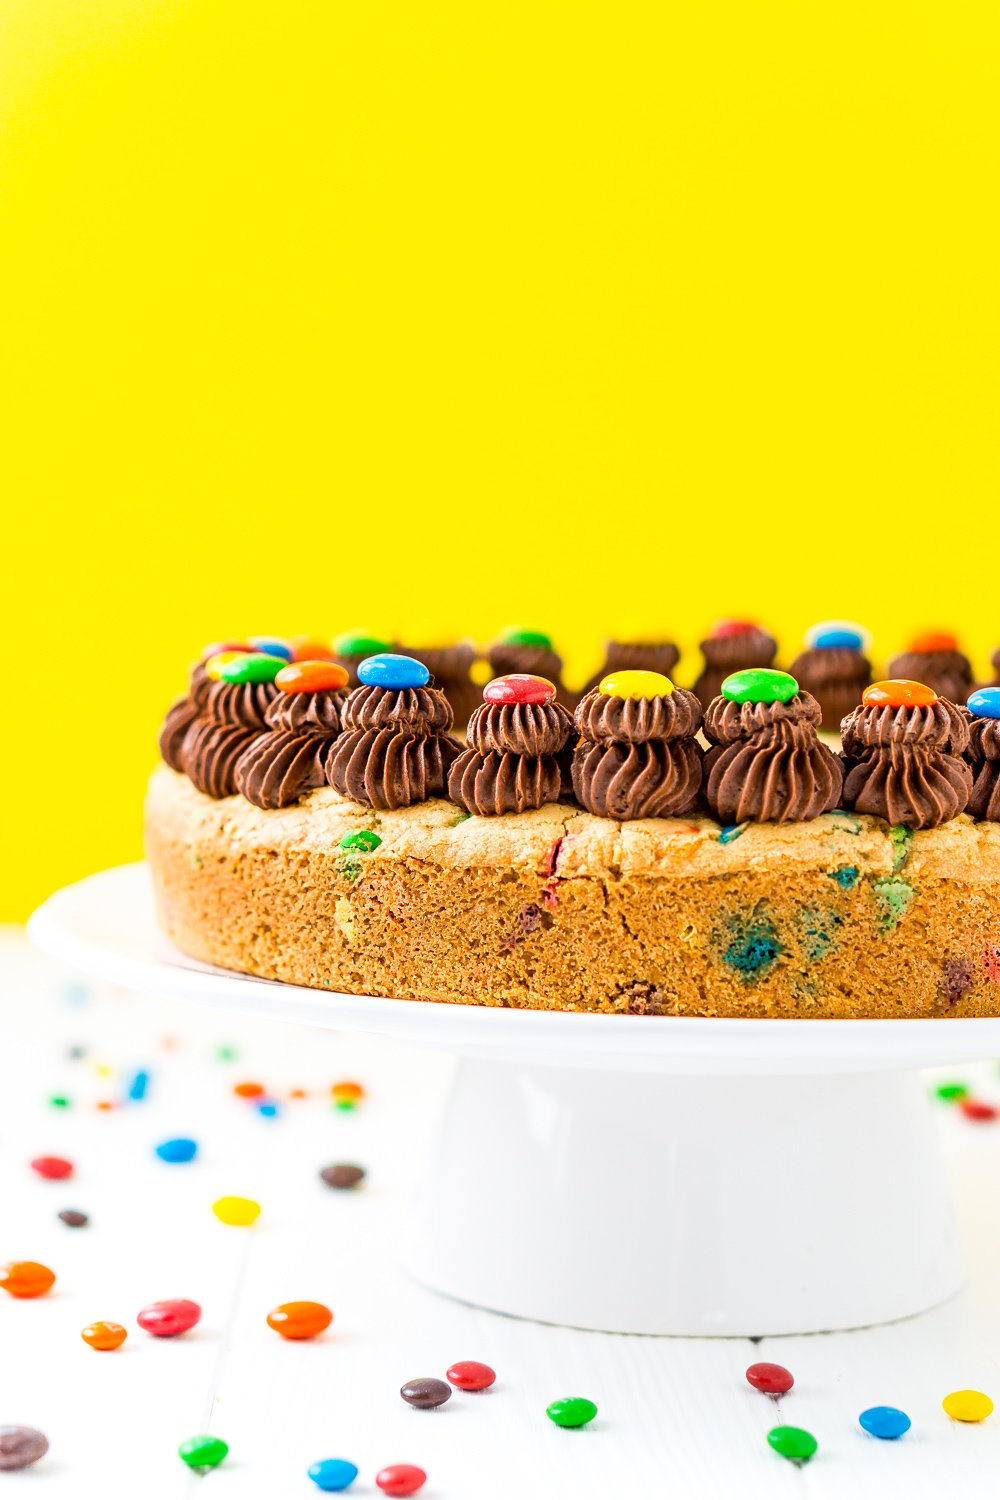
635 1174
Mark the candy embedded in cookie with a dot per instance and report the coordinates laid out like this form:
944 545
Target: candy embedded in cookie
834 668
902 755
934 658
289 758
767 764
638 757
983 754
733 644
395 749
516 741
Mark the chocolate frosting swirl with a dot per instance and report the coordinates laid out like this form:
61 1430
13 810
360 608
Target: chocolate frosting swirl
307 713
726 722
949 673
244 704
636 656
782 773
917 787
729 653
503 782
931 726
411 711
536 661
836 676
277 768
519 728
180 716
449 667
650 779
636 720
209 755
983 755
392 767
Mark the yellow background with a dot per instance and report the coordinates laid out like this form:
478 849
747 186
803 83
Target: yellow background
438 318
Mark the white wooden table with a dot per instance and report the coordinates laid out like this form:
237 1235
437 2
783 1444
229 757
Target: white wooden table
676 1417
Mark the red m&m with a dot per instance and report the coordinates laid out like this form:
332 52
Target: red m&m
774 1380
400 1479
470 1375
55 1168
934 640
724 630
898 692
519 687
311 677
167 1319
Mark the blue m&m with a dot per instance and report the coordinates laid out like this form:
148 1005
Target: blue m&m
270 645
984 703
830 635
178 1150
885 1421
387 670
333 1473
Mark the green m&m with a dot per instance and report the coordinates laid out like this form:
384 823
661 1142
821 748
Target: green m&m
572 1411
363 839
527 638
255 666
759 685
793 1442
203 1452
357 643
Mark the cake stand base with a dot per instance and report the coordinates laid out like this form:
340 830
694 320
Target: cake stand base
633 1203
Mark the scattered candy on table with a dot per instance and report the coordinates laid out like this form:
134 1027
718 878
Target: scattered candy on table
332 1473
249 1090
885 1421
137 1088
793 1443
26 1278
74 1218
203 1452
165 1320
54 1168
968 1406
400 1479
299 1320
949 1091
397 673
179 1150
347 1090
571 1411
773 1380
21 1446
426 1393
241 1211
469 1375
342 1175
104 1335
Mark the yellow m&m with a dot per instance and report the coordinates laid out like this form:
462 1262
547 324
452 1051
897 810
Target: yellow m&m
636 685
215 664
968 1406
241 1211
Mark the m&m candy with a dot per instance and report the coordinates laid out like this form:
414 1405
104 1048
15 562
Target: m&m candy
470 1375
837 634
759 685
984 703
299 1320
311 677
933 641
203 1452
400 1479
636 685
26 1278
425 1393
773 1380
519 637
21 1446
240 1211
165 1320
348 1090
74 1218
332 1473
898 692
362 838
271 645
342 1175
104 1335
387 670
571 1411
55 1168
181 1149
885 1421
968 1406
359 643
252 667
724 630
249 1090
793 1442
215 664
519 687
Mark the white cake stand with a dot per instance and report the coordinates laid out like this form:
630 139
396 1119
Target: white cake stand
636 1174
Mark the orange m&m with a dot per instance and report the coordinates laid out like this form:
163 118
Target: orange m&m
934 640
898 692
304 648
104 1335
248 1090
347 1090
299 1320
26 1278
311 677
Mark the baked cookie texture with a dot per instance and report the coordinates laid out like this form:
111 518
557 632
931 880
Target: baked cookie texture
841 916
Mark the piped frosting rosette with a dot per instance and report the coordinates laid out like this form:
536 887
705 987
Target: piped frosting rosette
767 764
234 699
288 759
935 660
834 668
638 756
902 755
395 749
733 644
528 653
639 656
983 754
516 740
